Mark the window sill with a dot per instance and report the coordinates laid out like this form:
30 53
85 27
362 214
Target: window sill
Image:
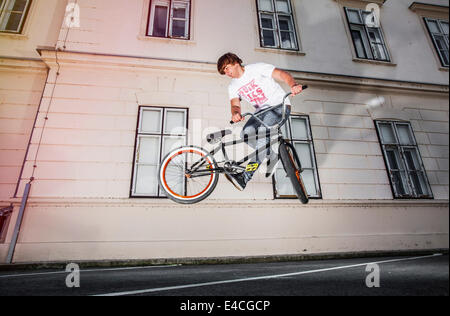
280 51
167 40
376 62
14 35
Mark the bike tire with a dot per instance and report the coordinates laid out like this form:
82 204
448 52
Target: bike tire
177 196
292 166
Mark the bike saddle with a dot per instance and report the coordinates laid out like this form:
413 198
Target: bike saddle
215 137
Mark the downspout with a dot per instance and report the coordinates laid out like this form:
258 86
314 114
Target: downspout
26 193
23 204
12 245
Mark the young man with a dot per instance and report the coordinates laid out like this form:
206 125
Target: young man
255 83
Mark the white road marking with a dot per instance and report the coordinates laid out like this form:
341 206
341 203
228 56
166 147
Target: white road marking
90 270
168 288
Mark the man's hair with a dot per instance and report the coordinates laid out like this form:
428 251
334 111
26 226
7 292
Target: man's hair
227 59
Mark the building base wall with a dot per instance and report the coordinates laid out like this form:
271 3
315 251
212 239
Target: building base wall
128 230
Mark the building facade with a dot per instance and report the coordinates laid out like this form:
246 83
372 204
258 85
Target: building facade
95 93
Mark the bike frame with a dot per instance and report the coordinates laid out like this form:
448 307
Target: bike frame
195 172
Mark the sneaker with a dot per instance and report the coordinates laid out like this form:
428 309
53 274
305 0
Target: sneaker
238 180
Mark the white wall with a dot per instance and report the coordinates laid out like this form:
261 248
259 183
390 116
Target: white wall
22 81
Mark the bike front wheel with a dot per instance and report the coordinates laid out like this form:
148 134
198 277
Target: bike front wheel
292 166
188 174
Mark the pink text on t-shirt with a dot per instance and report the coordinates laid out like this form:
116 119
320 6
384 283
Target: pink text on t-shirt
253 93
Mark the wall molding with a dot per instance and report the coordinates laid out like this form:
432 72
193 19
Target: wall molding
134 63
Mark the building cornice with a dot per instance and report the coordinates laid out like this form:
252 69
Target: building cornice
96 60
364 2
433 8
22 63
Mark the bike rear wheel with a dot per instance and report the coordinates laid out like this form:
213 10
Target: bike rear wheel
292 166
187 175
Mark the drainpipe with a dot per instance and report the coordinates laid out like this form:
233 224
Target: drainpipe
12 245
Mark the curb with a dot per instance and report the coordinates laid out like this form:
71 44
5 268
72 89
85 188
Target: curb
61 265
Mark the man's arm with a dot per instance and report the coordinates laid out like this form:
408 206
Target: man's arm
286 77
236 110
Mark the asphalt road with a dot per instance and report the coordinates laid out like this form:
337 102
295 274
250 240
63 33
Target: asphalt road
426 275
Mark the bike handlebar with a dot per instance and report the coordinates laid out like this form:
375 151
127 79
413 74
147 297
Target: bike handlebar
284 118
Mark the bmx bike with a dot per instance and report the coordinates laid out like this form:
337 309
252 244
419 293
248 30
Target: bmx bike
189 174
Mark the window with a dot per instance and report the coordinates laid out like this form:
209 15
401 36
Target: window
13 14
4 221
276 24
438 30
366 34
404 164
159 131
169 18
298 130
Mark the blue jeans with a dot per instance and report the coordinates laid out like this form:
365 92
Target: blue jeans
254 127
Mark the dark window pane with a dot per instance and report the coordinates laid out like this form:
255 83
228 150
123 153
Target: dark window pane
179 13
13 22
445 57
178 28
440 42
19 5
268 38
284 25
410 161
2 221
392 159
416 182
160 21
359 46
267 23
398 183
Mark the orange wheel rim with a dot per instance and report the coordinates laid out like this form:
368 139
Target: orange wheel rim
297 174
164 175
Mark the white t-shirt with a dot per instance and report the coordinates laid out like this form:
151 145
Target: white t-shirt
257 87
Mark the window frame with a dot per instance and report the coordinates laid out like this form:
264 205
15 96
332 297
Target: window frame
170 4
310 141
5 217
161 134
276 26
397 145
433 39
23 18
369 51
